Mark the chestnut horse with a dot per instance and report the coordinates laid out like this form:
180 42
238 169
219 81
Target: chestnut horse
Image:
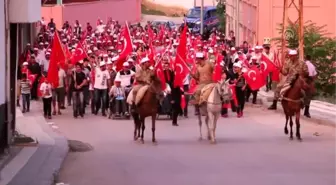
292 103
148 106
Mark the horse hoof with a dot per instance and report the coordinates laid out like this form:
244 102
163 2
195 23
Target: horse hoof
200 139
155 143
299 139
213 142
286 131
142 141
290 138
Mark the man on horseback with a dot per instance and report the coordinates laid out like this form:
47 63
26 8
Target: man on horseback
203 75
142 76
291 69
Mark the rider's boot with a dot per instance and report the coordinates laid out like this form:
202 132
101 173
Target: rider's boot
306 111
273 106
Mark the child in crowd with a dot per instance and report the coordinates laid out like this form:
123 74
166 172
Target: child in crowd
45 89
25 93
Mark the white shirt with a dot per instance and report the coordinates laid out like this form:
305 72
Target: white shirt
46 90
61 76
101 79
125 80
311 69
45 64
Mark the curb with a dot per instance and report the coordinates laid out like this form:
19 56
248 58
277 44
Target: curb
44 165
318 121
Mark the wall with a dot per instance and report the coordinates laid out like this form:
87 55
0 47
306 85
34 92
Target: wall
263 17
2 55
120 10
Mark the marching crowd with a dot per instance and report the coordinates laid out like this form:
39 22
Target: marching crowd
97 66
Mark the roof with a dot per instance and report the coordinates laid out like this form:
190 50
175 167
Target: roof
205 7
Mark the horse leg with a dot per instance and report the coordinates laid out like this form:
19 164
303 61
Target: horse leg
286 129
207 125
142 121
212 120
297 122
291 127
200 124
153 128
136 125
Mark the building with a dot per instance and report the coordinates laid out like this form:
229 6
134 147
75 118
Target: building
255 20
91 10
17 18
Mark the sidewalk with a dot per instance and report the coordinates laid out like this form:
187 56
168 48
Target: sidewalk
323 113
37 165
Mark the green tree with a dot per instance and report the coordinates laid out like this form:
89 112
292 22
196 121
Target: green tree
320 47
221 14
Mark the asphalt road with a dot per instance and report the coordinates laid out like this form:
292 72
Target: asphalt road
250 150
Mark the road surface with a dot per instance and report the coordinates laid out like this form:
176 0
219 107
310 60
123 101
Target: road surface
250 150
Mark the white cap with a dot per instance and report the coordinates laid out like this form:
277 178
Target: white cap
105 55
89 52
211 50
292 52
130 60
25 63
117 79
254 57
237 64
95 49
199 55
47 53
125 64
109 61
81 61
233 49
115 58
144 60
41 43
258 47
102 63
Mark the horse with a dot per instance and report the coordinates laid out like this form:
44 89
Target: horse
147 107
292 104
221 92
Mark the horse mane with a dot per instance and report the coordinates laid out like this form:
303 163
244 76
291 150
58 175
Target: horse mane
156 82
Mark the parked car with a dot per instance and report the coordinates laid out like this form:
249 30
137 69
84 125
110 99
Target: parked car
168 24
210 19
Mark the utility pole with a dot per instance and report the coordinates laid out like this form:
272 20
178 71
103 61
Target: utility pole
194 3
202 17
299 8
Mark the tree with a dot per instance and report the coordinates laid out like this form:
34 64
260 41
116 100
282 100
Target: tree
220 10
320 47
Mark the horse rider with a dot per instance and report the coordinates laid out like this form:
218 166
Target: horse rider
142 76
203 75
291 68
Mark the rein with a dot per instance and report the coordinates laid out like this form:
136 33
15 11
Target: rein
291 100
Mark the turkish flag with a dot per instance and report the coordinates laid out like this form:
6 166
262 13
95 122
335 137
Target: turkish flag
57 56
254 78
180 66
266 65
79 54
159 73
217 72
127 48
193 83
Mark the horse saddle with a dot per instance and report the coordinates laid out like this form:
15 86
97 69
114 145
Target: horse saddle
140 94
205 92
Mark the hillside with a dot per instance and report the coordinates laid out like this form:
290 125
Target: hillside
150 8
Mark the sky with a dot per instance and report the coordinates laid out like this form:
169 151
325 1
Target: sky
184 3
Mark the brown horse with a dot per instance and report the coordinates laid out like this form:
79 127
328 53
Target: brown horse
148 106
292 104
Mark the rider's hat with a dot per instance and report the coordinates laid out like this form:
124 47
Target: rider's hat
292 52
144 60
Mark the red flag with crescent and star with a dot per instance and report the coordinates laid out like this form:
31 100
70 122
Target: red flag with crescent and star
180 66
159 73
127 48
266 65
57 56
254 78
79 54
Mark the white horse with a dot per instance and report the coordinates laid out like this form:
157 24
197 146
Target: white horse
212 107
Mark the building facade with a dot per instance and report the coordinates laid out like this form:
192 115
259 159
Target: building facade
17 18
254 20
